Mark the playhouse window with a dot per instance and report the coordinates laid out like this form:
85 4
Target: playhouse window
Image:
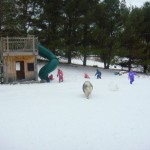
17 66
30 66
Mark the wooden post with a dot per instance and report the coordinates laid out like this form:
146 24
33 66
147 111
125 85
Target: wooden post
33 45
36 70
7 44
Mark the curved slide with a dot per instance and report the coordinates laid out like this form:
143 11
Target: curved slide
50 66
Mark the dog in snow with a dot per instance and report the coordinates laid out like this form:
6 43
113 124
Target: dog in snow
87 88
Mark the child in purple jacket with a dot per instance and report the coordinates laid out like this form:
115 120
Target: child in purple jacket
131 76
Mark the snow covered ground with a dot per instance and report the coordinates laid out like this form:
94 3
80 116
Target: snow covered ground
57 116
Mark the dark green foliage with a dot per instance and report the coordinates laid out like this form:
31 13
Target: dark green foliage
82 27
8 18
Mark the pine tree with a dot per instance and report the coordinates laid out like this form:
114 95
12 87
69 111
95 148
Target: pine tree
7 18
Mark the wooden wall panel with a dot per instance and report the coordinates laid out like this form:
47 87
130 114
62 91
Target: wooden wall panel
10 67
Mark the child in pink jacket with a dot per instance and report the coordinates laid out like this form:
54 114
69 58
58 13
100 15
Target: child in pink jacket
60 75
86 76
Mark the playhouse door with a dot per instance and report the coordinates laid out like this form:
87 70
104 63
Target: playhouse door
20 70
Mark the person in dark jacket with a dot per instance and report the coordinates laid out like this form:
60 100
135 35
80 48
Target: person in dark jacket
98 74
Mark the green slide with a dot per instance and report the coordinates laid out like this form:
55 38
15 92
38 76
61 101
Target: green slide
50 66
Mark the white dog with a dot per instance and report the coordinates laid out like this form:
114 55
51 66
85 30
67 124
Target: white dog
87 88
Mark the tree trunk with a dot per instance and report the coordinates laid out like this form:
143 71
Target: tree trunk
105 65
145 68
69 56
146 57
84 59
129 64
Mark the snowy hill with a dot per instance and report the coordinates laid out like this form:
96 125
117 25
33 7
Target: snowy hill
57 116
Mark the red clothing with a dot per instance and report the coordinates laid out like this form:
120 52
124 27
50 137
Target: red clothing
51 77
60 75
86 76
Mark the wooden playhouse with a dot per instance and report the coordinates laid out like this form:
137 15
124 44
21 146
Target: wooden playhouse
18 59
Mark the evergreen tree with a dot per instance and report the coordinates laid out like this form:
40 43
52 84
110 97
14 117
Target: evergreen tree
27 11
131 41
108 25
50 23
7 18
71 16
86 26
145 33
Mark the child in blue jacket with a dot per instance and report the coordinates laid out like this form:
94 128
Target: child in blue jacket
98 74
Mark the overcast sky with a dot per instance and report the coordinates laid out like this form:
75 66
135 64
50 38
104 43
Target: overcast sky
138 3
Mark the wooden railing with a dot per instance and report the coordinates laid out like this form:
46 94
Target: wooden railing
20 44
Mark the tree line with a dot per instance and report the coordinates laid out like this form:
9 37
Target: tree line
107 29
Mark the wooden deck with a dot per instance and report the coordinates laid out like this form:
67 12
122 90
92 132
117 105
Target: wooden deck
18 44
